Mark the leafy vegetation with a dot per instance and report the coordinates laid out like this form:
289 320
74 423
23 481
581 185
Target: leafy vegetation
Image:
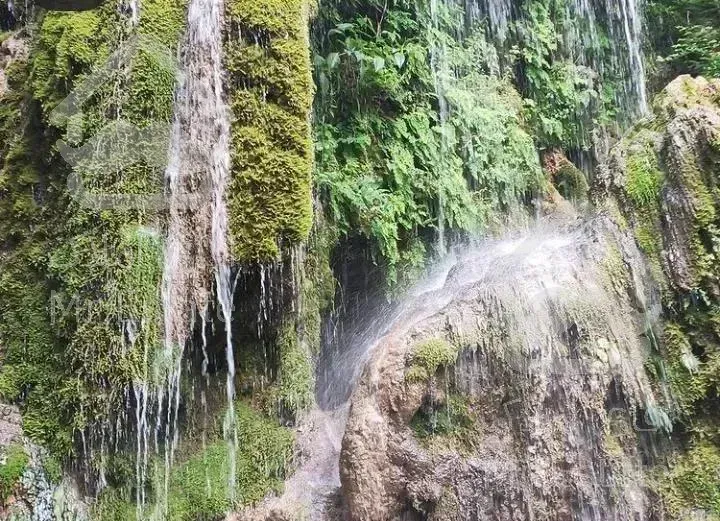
389 167
420 136
697 50
562 96
686 36
448 425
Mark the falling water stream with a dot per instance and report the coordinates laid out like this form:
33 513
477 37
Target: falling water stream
441 76
196 250
584 41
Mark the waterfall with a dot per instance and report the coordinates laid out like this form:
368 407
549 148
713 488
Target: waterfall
497 12
196 250
625 60
553 335
635 82
134 8
588 24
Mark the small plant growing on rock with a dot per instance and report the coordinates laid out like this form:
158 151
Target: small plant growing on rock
12 466
428 357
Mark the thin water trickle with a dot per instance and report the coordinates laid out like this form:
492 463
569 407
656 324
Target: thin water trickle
441 76
134 8
604 35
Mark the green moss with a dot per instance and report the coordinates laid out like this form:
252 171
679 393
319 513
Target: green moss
296 381
298 337
448 425
264 453
612 446
150 93
428 357
715 142
693 482
82 287
271 93
318 283
113 506
614 269
13 463
690 378
68 45
644 177
198 487
571 182
53 468
698 182
649 239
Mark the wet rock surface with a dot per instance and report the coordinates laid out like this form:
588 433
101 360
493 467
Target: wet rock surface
13 48
550 332
676 150
34 496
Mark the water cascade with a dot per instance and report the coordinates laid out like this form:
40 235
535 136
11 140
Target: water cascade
134 8
499 15
531 333
586 28
623 22
197 250
437 316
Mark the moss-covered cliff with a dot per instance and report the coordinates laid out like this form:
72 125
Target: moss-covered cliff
421 136
663 178
78 278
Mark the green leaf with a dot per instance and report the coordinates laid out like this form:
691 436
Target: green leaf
332 60
378 63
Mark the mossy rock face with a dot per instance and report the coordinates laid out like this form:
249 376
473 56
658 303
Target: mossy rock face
13 462
664 177
571 182
198 487
80 287
566 177
271 90
664 173
693 483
